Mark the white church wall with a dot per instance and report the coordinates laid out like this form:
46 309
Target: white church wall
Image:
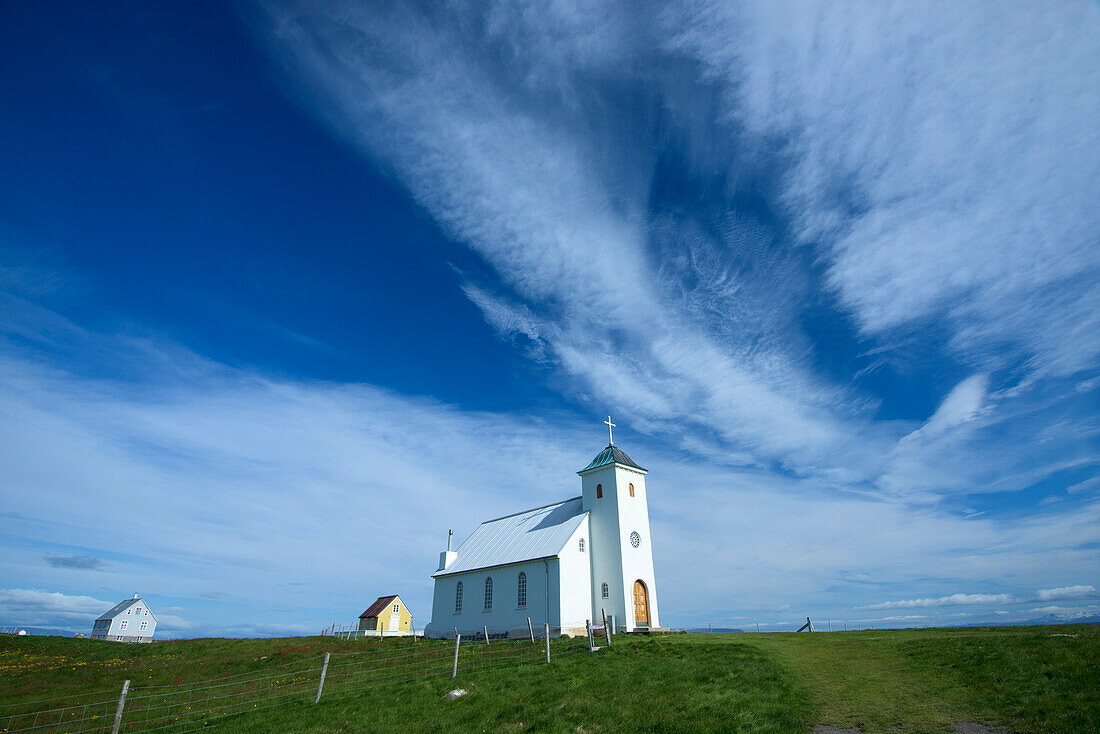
637 563
605 562
506 614
576 586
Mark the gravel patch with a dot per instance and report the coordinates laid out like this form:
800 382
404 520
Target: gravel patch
967 727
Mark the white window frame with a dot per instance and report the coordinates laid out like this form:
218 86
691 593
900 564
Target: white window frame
521 590
488 594
458 598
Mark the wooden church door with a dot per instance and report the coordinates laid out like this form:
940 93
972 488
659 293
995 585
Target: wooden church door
641 605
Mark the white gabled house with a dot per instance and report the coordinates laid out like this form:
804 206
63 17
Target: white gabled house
561 564
127 621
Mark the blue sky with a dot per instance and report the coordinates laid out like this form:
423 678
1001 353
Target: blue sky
289 289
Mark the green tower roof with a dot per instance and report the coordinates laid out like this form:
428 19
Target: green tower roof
611 455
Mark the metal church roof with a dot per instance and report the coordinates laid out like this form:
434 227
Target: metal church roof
611 455
524 536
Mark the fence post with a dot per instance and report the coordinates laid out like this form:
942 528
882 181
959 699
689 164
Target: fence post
454 670
588 629
606 629
547 642
531 630
486 630
121 704
324 670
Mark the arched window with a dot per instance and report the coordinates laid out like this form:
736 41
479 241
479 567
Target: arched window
631 490
581 545
521 590
599 491
604 590
458 598
489 593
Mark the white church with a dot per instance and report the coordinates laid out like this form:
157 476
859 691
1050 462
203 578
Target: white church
562 564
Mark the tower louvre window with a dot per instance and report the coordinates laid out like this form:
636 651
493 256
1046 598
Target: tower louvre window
631 490
580 545
489 593
521 590
458 598
604 590
599 491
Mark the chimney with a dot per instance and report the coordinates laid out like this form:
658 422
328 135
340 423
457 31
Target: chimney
135 595
447 557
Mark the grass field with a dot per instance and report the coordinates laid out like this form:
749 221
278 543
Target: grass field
1026 679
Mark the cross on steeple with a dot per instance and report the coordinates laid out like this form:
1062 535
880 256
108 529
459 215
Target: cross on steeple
610 425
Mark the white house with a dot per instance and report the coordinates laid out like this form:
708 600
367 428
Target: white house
562 564
127 621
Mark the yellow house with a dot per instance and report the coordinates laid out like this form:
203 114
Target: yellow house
387 613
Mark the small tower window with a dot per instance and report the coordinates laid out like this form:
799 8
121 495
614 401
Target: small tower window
488 593
599 491
604 590
580 545
631 490
458 599
521 590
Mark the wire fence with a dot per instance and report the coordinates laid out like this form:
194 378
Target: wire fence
192 706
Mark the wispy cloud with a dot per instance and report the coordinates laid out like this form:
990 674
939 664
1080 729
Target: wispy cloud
931 166
690 320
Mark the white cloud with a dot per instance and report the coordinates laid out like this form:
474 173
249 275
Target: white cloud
1066 592
1084 486
960 406
1068 613
20 601
943 601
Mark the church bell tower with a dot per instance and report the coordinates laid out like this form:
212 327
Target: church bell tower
614 495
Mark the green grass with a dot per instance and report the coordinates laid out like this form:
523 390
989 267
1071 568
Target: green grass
904 680
925 680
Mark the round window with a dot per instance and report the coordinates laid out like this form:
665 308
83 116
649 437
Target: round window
635 539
